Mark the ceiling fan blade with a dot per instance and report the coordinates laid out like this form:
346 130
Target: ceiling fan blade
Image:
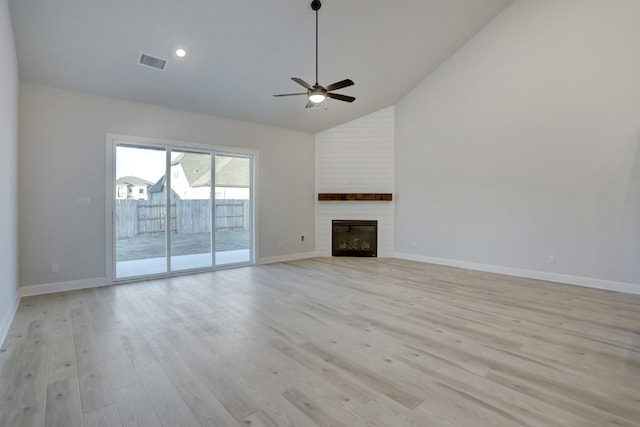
340 84
302 83
291 94
345 98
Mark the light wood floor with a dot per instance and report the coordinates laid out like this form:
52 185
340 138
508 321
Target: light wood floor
325 342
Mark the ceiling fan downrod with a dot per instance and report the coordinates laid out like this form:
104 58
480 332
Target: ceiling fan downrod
316 5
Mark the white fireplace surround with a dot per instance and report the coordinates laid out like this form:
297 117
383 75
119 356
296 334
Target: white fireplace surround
357 157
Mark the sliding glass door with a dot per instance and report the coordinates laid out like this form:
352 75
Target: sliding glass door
233 209
166 216
140 216
191 203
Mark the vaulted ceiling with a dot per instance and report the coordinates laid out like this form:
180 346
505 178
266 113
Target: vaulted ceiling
240 53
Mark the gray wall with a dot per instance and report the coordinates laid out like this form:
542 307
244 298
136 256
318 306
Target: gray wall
8 171
524 144
62 157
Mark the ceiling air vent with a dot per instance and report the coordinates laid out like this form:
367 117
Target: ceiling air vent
151 61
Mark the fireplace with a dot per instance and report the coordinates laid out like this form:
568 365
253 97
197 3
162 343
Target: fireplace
354 238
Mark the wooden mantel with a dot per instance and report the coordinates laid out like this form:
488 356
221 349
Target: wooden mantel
384 197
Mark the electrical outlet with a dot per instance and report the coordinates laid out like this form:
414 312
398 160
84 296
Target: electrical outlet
55 267
551 259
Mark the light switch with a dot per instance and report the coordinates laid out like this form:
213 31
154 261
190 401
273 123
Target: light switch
83 201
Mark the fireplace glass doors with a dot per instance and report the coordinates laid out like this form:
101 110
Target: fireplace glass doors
354 238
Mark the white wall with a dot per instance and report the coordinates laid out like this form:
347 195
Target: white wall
356 157
8 172
524 144
62 157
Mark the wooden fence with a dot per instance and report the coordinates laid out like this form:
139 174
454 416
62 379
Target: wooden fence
136 217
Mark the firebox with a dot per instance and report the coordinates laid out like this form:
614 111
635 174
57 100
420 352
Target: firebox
354 238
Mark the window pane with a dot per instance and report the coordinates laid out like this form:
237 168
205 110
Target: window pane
140 212
191 210
233 209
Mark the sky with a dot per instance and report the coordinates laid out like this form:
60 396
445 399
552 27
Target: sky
145 163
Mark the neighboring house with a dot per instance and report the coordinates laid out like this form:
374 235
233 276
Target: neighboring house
191 178
233 178
132 187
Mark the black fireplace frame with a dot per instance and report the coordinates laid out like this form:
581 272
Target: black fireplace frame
336 251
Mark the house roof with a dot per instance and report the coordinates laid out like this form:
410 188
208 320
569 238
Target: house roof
133 180
240 53
196 167
231 172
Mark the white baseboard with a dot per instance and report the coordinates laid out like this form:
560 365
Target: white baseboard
285 258
609 285
50 288
6 322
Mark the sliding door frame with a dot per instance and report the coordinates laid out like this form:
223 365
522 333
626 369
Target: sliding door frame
114 140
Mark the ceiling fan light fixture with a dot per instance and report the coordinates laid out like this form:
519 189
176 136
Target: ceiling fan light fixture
317 97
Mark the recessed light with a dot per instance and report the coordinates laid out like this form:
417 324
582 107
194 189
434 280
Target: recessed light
181 53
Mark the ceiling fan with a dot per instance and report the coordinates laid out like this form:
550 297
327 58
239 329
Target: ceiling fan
316 93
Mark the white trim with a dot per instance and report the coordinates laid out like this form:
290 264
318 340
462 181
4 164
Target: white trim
608 285
630 288
176 144
6 322
285 258
253 194
50 288
110 209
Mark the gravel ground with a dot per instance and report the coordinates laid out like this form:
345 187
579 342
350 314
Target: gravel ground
153 245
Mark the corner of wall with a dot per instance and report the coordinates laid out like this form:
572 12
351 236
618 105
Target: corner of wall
5 324
9 299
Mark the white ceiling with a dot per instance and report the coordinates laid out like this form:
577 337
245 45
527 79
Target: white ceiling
240 53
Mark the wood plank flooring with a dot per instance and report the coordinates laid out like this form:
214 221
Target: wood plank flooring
325 342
